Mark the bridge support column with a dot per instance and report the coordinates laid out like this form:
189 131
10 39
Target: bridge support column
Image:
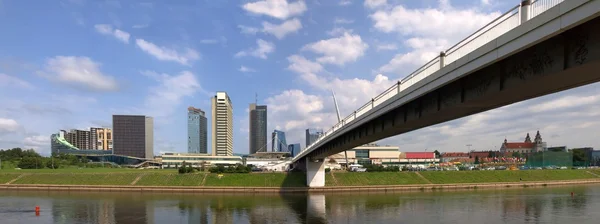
525 10
315 172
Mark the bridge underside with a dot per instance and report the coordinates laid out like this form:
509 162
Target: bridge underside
568 60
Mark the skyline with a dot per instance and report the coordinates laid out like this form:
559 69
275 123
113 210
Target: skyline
158 59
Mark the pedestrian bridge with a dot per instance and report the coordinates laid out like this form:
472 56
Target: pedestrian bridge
536 48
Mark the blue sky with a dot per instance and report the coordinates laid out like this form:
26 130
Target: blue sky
73 63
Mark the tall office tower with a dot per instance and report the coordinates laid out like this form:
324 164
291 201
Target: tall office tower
258 128
93 138
197 131
312 135
278 142
294 149
222 125
133 135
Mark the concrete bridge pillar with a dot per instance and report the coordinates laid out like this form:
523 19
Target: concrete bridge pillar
525 10
315 172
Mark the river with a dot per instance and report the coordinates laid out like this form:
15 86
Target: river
516 205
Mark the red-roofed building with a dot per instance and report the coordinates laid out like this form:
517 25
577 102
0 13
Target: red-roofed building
524 147
454 156
419 155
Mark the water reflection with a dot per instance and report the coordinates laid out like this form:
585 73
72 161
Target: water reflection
542 205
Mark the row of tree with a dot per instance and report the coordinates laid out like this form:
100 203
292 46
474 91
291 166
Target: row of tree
30 159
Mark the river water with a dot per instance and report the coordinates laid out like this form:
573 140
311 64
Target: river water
516 205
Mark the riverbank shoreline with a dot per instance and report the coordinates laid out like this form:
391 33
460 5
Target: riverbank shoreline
328 189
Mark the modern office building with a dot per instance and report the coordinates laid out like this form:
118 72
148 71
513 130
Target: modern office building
294 149
258 128
94 139
197 131
312 135
278 142
78 138
222 125
133 135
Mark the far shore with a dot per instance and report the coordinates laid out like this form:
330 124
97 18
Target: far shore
329 189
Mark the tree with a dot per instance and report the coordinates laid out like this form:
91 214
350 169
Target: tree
437 154
476 159
517 154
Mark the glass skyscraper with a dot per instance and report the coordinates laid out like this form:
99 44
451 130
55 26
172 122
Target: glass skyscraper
278 142
312 135
294 149
197 131
258 128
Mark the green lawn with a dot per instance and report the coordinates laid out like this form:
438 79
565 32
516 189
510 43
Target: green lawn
88 170
257 180
6 177
490 176
79 178
376 178
171 179
595 171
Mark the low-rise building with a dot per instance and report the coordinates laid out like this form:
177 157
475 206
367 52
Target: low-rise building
173 160
382 155
454 156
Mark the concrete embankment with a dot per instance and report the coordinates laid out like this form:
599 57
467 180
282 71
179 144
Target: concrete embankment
385 188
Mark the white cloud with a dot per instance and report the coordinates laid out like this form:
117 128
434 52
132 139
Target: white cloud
345 2
386 47
162 101
339 50
564 103
422 51
486 2
81 72
444 22
37 142
246 69
337 31
342 21
107 29
8 125
10 81
280 31
375 3
279 9
167 54
263 48
248 30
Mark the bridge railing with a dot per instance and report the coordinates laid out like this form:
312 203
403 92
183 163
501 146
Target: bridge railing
504 23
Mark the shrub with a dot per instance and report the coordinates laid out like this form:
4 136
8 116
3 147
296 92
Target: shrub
239 168
380 168
185 169
327 170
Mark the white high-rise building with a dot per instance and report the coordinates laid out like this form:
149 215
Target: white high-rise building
222 125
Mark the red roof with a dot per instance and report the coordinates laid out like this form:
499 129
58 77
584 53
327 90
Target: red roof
455 154
420 155
519 145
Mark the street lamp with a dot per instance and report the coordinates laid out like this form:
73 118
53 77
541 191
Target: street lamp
469 147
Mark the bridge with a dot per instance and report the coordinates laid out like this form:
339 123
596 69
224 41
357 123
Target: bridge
536 48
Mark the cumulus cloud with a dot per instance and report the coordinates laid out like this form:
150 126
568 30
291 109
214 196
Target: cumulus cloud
107 29
262 49
339 50
167 54
40 143
386 47
248 30
81 72
421 51
281 30
8 125
163 99
337 31
280 9
375 3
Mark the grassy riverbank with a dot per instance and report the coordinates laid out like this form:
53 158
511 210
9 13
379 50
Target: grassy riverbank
131 177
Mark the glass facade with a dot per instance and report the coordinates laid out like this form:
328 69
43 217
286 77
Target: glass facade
278 143
362 156
294 149
312 135
197 131
258 128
